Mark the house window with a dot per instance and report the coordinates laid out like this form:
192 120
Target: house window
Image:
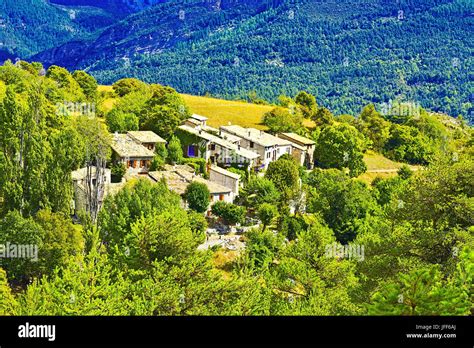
134 164
251 144
221 197
192 151
142 164
269 154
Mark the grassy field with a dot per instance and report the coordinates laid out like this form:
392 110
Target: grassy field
376 161
379 165
220 112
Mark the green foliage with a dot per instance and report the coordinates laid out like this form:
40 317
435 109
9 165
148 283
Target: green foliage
199 164
292 226
160 158
341 146
45 243
346 205
150 238
163 112
306 281
198 224
307 104
280 120
66 82
387 190
87 83
175 151
447 193
16 231
405 172
258 191
157 163
323 117
425 292
267 213
262 247
197 196
8 303
126 86
284 173
374 127
60 240
161 150
121 122
33 136
138 199
117 171
231 214
408 144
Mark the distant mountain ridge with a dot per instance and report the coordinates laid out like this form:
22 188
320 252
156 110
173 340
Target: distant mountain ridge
117 7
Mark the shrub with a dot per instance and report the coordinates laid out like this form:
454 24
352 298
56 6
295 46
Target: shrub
198 196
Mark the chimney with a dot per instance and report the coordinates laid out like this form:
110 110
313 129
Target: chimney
261 132
249 133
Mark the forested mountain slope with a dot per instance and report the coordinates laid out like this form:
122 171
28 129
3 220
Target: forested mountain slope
348 53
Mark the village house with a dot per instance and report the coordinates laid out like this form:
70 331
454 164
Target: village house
136 157
178 177
200 122
147 139
269 147
303 148
199 143
225 178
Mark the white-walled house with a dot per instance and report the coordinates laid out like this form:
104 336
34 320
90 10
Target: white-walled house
303 148
225 178
268 146
216 149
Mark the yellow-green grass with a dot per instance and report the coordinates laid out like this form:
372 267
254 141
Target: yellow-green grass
378 162
105 88
368 177
220 112
107 103
379 165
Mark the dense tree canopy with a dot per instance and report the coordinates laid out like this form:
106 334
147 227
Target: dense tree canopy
341 146
315 242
